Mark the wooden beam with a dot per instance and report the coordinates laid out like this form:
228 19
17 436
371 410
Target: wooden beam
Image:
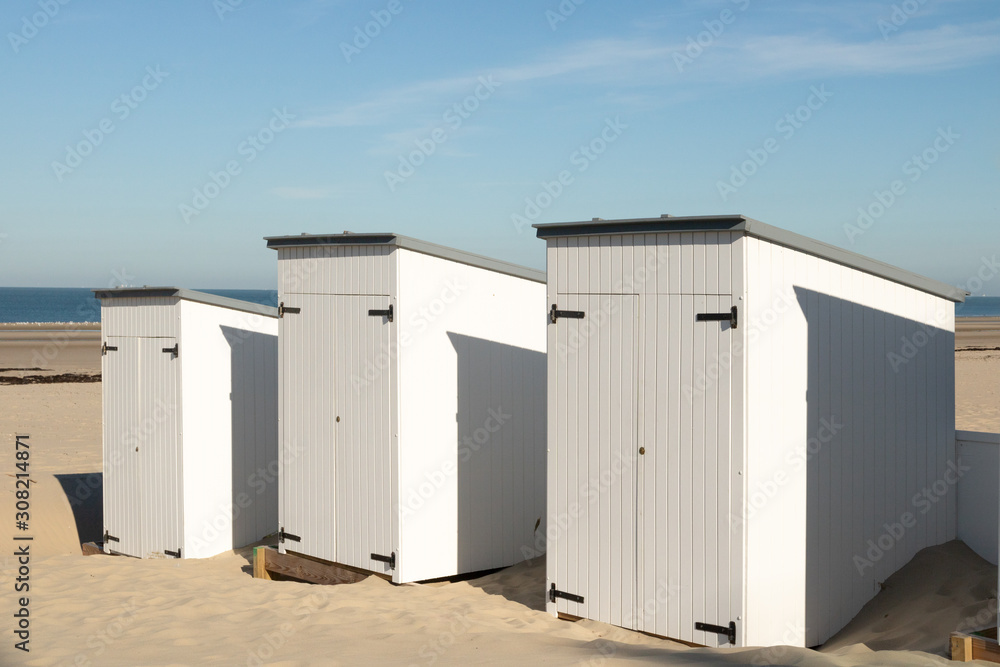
91 549
966 648
260 563
267 562
961 647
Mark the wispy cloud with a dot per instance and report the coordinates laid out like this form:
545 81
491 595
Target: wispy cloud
647 63
302 193
589 57
909 52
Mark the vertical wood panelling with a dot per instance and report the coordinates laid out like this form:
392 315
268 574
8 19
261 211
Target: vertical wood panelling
141 426
308 443
594 520
348 270
655 552
842 343
363 521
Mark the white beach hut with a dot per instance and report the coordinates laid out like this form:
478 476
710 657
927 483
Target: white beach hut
190 422
412 398
749 430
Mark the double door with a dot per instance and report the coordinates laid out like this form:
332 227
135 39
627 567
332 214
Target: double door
142 451
644 486
336 366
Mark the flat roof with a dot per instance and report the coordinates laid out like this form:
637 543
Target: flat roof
188 295
416 245
758 229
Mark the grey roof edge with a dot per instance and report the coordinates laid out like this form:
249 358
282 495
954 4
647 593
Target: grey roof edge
408 243
740 223
187 295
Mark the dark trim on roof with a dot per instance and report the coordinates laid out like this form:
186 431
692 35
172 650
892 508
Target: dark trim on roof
416 245
187 295
757 229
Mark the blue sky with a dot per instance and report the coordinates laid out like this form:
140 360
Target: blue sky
683 108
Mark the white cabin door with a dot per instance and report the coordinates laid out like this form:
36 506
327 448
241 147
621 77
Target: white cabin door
690 547
593 426
364 359
306 510
122 477
142 513
159 447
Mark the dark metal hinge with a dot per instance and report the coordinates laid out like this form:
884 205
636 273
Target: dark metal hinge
287 537
555 594
381 313
108 348
555 314
110 538
175 554
390 559
729 631
731 317
282 309
175 350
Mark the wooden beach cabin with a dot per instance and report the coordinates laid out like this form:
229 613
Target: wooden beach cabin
749 430
190 422
412 397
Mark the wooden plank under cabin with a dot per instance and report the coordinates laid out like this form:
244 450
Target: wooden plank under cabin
267 562
966 648
91 549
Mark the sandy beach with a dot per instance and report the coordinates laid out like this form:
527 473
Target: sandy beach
101 610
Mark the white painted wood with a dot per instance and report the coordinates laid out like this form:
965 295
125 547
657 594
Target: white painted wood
230 428
214 407
824 335
978 496
800 437
439 454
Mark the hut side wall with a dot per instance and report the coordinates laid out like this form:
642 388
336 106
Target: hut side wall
471 450
851 439
230 431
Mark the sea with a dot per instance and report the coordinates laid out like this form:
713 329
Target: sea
70 304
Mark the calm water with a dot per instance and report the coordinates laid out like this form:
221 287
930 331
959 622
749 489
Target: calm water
61 304
979 306
68 304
